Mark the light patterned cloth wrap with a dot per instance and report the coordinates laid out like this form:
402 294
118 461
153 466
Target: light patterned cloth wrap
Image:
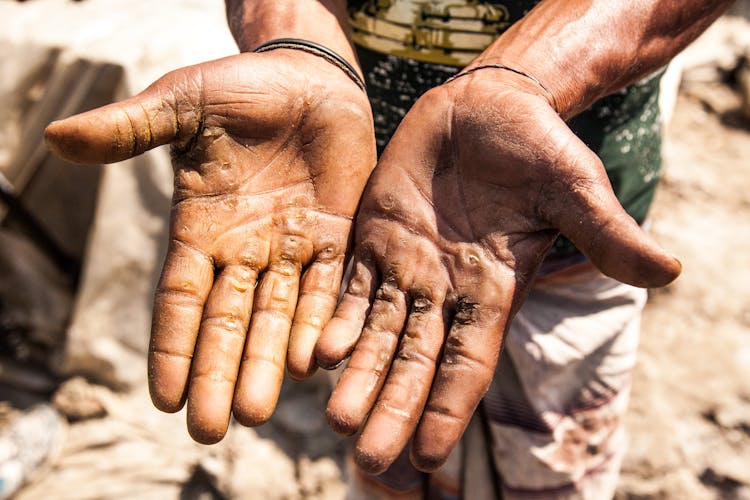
551 424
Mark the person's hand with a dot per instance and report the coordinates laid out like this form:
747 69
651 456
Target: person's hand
456 219
271 153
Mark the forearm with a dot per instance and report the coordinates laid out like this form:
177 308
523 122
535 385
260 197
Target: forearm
582 50
253 22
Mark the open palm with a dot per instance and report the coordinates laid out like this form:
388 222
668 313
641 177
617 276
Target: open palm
270 153
456 219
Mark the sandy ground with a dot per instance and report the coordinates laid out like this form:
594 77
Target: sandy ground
690 409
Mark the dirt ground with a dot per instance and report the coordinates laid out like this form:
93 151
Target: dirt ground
689 418
690 410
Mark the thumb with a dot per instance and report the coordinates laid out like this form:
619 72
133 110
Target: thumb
162 113
590 215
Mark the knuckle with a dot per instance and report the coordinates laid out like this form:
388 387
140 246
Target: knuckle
467 311
359 286
250 262
273 363
228 323
411 353
212 375
330 254
478 373
243 275
319 296
370 360
422 304
374 328
376 371
458 353
445 412
163 352
285 267
185 297
389 294
308 320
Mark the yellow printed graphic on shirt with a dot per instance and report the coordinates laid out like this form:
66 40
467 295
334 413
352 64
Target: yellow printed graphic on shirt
432 31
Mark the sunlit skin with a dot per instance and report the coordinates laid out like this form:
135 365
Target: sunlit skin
478 179
270 154
452 229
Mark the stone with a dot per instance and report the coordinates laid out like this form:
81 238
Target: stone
78 400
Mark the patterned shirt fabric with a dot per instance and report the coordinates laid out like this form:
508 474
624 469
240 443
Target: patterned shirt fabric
406 47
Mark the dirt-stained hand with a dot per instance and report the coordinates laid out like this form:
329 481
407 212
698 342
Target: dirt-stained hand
271 153
456 219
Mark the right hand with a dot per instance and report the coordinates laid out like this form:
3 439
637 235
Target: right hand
467 198
271 153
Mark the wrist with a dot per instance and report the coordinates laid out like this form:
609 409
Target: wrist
317 50
322 22
578 60
538 87
582 50
569 88
480 79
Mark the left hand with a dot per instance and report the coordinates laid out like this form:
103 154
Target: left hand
456 219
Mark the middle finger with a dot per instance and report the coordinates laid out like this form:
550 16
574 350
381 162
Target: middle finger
218 352
396 413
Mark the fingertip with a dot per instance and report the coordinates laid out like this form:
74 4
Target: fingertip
255 397
676 268
328 360
315 308
335 344
658 267
300 357
426 461
431 446
119 131
370 461
206 434
52 133
340 421
300 367
669 270
650 268
57 138
88 138
167 389
250 414
164 403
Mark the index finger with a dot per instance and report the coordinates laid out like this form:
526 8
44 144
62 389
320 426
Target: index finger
402 399
186 280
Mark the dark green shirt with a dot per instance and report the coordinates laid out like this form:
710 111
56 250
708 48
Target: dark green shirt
407 47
